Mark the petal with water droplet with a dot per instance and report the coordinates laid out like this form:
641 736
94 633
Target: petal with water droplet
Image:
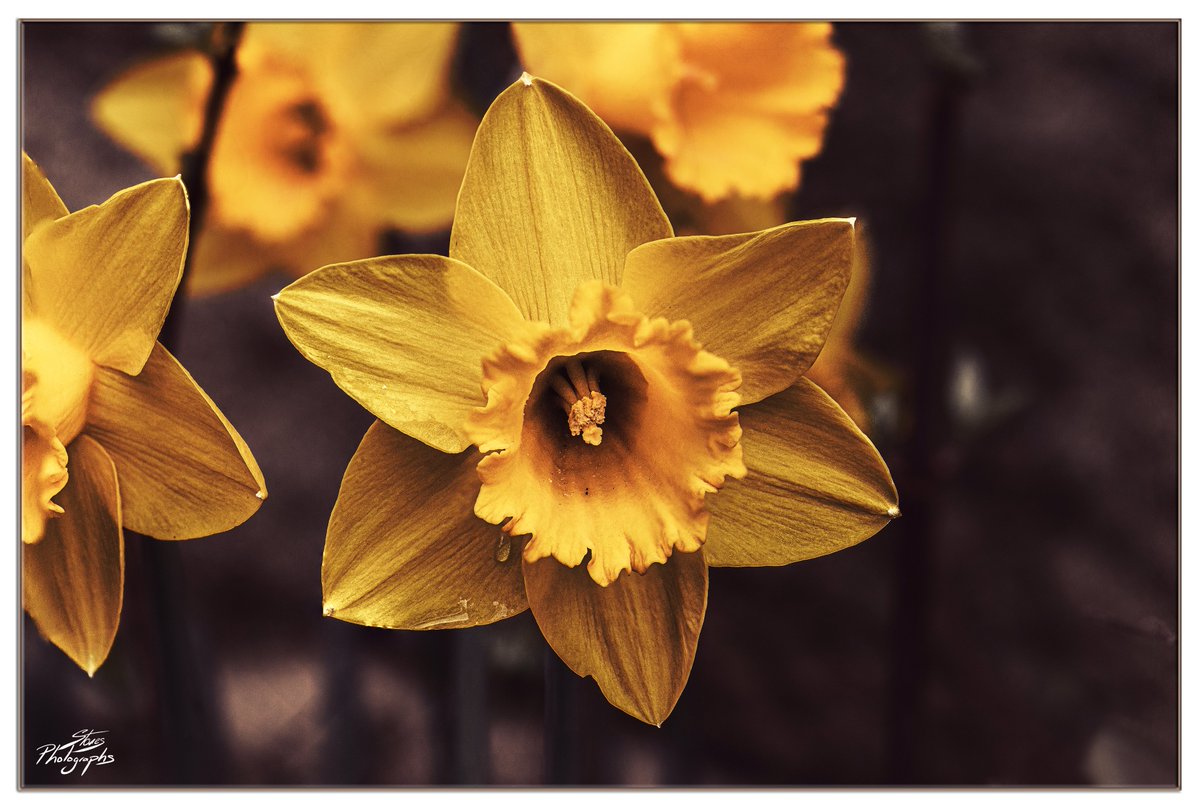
73 580
404 549
637 636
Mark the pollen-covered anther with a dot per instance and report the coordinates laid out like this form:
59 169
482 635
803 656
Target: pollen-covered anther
578 390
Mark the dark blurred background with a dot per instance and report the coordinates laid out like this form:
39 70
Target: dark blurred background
1018 626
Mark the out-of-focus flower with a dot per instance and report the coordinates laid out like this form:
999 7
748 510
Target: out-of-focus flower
332 133
840 369
543 379
116 434
733 108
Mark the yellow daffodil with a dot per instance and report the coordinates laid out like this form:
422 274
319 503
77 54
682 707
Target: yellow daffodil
116 434
332 133
733 108
579 377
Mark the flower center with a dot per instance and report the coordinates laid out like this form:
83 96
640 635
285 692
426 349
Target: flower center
632 491
56 379
303 128
279 160
578 389
573 468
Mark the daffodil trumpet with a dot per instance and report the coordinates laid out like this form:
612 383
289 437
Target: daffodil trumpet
578 412
733 108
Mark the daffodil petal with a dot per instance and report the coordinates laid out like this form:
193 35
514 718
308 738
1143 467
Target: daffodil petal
104 276
344 235
847 378
415 171
737 215
377 70
763 301
858 292
156 109
43 476
392 71
185 471
39 201
737 128
637 636
622 70
404 550
839 369
403 335
550 199
225 258
816 485
73 580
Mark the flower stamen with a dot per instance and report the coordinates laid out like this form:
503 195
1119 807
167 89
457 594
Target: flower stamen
304 136
581 399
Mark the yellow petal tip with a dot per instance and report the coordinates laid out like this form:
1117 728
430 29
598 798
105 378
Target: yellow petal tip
526 79
275 297
327 610
893 512
261 495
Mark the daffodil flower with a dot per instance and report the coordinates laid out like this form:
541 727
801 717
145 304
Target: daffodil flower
733 108
579 377
332 133
116 434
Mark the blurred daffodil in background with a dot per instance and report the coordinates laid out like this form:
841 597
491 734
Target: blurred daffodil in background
733 108
580 377
116 434
332 134
841 369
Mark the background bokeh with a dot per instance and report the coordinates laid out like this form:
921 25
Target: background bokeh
1017 627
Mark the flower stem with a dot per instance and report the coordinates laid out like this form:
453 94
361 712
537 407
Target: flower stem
194 164
930 334
189 724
